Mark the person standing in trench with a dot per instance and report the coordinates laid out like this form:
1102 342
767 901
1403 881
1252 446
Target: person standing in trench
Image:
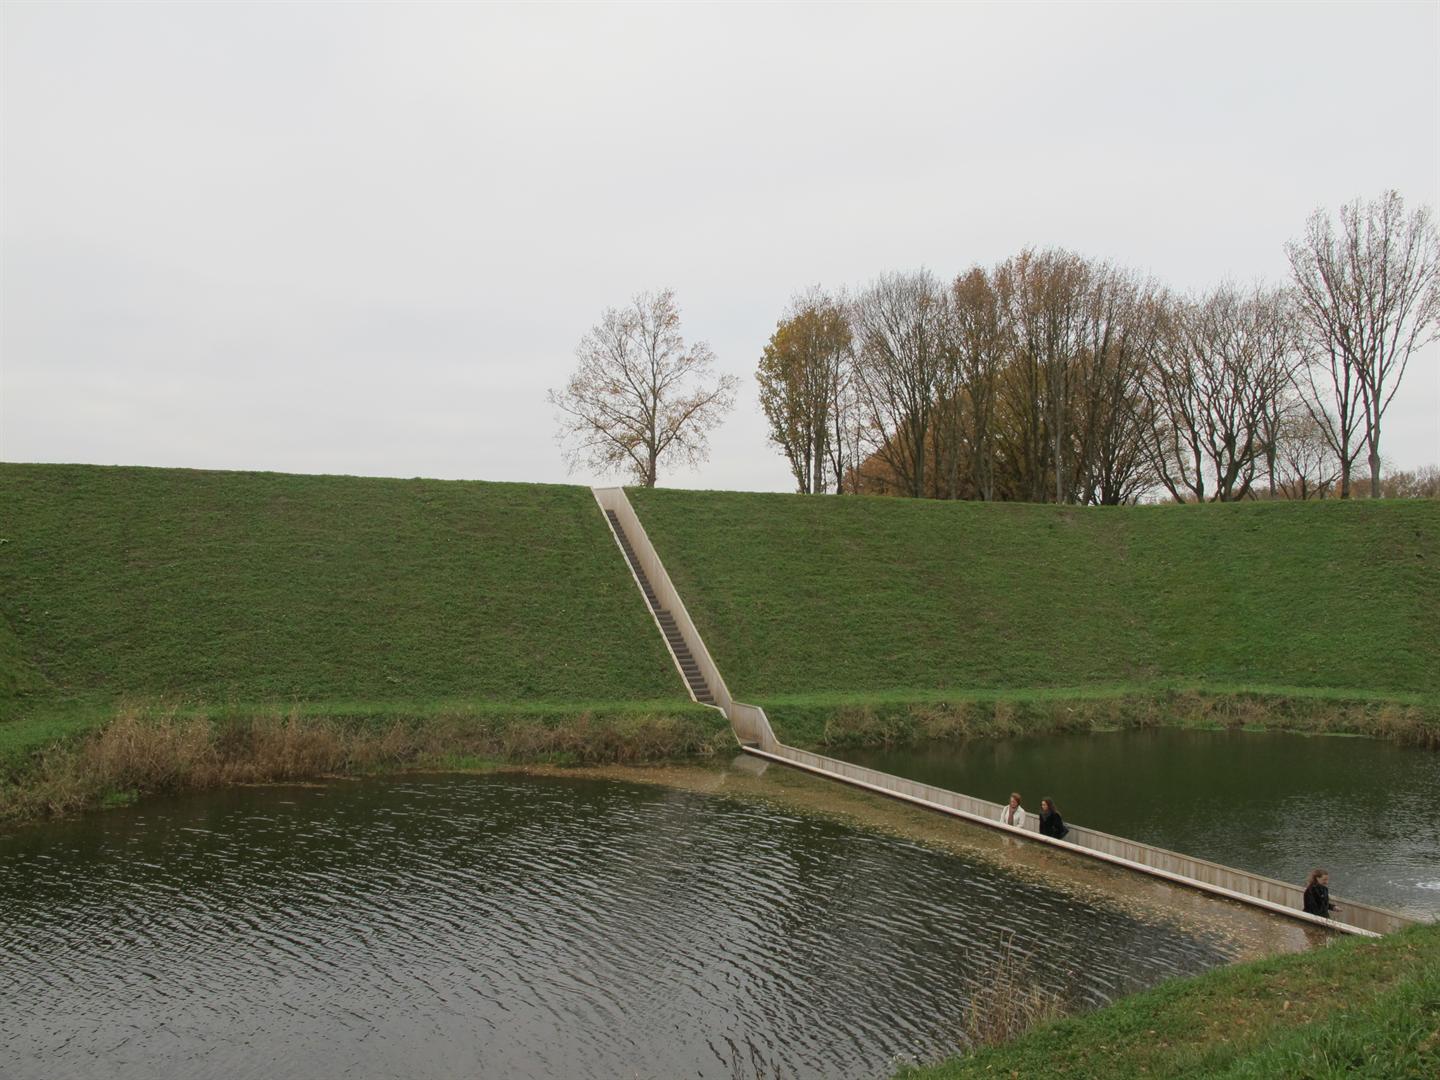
1013 814
1051 823
1317 894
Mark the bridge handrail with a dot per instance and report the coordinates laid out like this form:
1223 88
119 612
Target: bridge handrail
1280 896
756 736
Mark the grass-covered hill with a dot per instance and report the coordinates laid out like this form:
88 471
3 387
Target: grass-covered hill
833 599
235 590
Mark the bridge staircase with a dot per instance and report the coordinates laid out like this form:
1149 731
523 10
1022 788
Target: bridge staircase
679 649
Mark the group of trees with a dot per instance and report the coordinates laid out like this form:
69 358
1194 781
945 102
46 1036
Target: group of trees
1052 377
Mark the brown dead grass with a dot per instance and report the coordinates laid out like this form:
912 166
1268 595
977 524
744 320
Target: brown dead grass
1008 1000
139 753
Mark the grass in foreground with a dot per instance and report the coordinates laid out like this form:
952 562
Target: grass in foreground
216 591
799 595
1350 1008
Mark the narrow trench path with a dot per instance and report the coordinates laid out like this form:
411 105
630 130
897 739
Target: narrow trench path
673 637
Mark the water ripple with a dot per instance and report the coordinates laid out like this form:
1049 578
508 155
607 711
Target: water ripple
463 926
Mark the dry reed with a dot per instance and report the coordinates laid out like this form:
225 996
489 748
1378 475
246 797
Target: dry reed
138 753
1008 1000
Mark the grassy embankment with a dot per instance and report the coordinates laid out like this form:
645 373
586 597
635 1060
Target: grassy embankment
167 628
174 628
858 621
1352 1008
866 621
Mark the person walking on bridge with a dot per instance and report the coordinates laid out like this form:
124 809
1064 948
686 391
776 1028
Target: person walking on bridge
1317 894
1051 823
1014 814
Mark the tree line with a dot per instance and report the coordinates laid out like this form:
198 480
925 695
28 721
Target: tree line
1049 377
1052 377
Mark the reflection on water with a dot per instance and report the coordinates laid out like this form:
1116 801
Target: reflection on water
513 926
1277 804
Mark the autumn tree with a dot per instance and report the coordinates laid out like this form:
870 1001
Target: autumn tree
901 325
1047 292
639 394
1370 296
982 346
803 377
1122 325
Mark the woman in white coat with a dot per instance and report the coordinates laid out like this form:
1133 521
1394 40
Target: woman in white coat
1014 814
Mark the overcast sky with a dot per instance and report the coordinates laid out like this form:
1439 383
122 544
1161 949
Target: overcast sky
365 238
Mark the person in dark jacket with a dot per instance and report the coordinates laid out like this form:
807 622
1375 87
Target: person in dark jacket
1051 823
1317 894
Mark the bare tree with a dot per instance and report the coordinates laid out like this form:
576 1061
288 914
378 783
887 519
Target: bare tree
1022 433
1370 297
1122 323
1421 483
901 326
1228 357
1047 292
1306 464
801 376
848 433
639 394
982 347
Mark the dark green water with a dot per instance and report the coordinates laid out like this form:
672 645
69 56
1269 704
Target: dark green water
514 927
1366 810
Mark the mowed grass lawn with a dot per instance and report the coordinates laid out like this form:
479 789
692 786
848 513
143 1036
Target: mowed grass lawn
228 589
803 598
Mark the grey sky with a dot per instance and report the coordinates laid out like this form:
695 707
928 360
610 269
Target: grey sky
365 238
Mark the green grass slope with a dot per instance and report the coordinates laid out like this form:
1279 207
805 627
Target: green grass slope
1353 1008
220 590
863 598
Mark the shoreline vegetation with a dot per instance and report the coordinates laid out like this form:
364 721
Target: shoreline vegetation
145 752
70 762
850 721
1350 1007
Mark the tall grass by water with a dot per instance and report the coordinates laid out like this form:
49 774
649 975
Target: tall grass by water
140 753
1009 999
841 721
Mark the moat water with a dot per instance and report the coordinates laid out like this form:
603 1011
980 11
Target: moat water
479 926
1366 810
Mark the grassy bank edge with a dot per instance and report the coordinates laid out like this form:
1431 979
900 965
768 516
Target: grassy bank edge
900 719
79 755
1352 1007
140 752
39 727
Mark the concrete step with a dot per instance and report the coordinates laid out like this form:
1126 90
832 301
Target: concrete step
679 647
